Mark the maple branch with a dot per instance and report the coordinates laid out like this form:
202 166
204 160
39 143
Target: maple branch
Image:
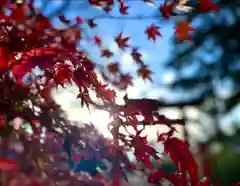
158 122
161 104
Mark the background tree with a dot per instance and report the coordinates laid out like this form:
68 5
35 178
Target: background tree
210 64
209 69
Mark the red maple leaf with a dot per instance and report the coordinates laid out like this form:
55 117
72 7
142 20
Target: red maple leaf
106 94
63 74
113 67
43 22
207 6
85 98
8 165
142 150
167 10
182 31
107 9
137 57
179 153
79 20
18 13
123 8
36 57
101 3
144 72
4 58
117 157
122 41
106 53
98 41
2 121
125 81
174 178
157 176
152 32
78 34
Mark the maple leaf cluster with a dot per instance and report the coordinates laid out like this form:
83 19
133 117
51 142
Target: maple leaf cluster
167 10
56 152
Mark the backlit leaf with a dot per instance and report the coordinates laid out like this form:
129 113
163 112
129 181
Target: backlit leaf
122 42
145 73
182 31
152 32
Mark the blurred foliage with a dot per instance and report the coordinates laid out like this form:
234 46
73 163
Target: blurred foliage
225 159
226 165
209 66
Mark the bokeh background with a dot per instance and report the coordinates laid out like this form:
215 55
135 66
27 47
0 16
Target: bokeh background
204 74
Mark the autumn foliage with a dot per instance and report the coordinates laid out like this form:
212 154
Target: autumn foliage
56 152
